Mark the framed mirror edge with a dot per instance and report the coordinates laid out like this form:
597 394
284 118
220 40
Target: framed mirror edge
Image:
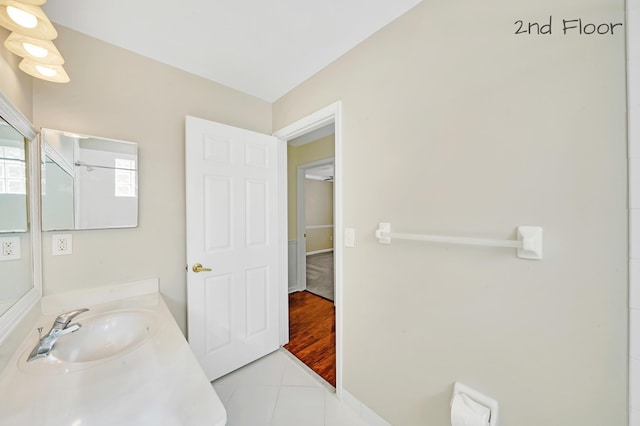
16 119
10 319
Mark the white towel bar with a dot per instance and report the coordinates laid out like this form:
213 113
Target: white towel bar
529 242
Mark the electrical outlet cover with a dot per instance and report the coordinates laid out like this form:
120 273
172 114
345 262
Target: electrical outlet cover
61 244
9 248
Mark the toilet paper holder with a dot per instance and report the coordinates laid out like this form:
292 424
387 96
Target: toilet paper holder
480 398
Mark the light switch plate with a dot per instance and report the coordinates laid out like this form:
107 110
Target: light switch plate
61 244
349 237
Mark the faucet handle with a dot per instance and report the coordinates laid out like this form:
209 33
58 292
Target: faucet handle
64 319
72 328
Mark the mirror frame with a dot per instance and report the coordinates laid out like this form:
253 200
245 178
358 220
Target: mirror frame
13 116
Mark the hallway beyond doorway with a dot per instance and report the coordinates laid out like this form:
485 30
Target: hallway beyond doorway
320 275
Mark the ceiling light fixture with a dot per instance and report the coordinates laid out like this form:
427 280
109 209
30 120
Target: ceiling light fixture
53 73
27 19
43 51
31 37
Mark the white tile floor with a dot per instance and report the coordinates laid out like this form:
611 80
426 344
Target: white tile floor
277 391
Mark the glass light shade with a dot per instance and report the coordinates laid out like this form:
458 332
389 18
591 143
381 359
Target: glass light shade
46 71
22 18
33 50
29 47
43 28
34 2
52 73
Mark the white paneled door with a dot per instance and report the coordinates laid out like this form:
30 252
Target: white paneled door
232 229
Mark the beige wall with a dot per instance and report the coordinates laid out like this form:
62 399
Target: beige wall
452 124
15 84
318 210
297 156
117 94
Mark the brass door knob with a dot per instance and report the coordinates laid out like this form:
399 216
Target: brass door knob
199 268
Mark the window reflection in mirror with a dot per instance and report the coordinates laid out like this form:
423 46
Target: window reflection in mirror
15 241
88 182
13 180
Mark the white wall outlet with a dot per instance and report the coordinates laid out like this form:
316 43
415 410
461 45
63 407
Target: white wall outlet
9 248
61 244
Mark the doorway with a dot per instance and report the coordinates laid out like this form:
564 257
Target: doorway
311 298
318 229
296 298
314 223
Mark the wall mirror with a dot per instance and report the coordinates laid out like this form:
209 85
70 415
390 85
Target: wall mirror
20 276
88 182
13 180
15 245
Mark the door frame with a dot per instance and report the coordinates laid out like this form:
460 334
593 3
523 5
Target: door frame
327 115
301 230
633 124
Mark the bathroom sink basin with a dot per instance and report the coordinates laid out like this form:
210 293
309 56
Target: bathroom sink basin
104 336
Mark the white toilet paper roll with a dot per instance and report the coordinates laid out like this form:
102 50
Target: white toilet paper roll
467 412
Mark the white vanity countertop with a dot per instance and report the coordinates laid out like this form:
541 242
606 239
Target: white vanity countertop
159 382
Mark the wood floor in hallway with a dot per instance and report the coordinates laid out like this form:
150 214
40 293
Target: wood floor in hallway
312 333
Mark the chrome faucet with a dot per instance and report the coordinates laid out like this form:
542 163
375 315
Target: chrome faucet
59 328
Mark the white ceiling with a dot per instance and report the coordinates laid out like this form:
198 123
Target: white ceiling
261 47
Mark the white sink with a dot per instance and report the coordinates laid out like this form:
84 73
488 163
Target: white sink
104 336
129 364
101 337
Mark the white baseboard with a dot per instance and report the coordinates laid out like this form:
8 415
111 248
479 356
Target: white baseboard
369 416
309 253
